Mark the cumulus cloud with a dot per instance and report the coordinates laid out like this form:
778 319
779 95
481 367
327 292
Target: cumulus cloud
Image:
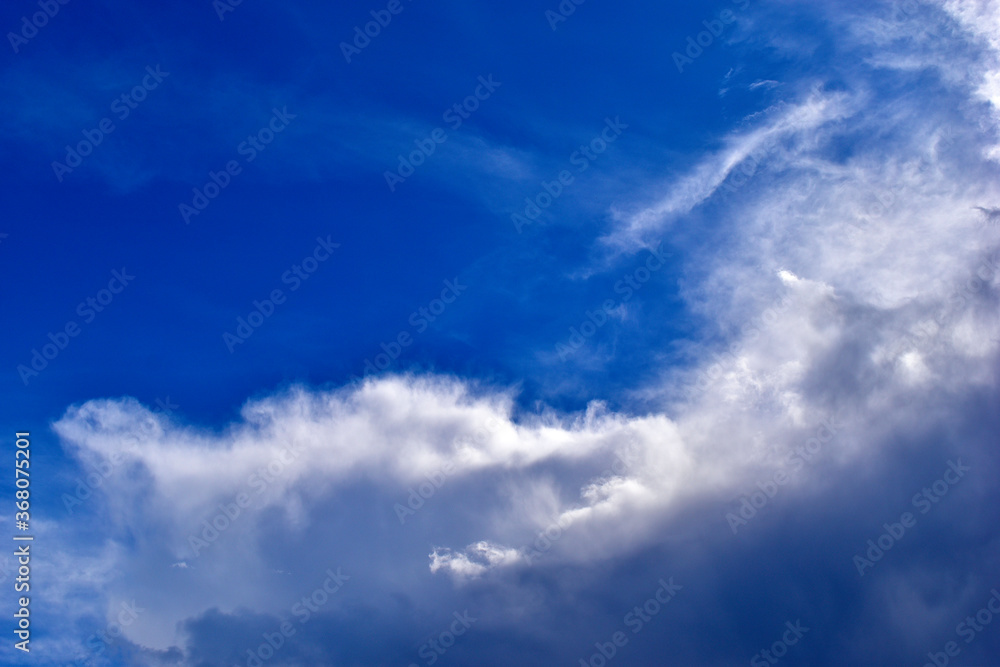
845 306
474 561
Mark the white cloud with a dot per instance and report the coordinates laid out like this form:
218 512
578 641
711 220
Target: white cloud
633 230
475 560
843 285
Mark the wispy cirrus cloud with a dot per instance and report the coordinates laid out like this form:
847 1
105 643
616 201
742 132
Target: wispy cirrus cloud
849 282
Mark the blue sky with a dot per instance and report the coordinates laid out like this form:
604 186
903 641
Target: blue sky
528 313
